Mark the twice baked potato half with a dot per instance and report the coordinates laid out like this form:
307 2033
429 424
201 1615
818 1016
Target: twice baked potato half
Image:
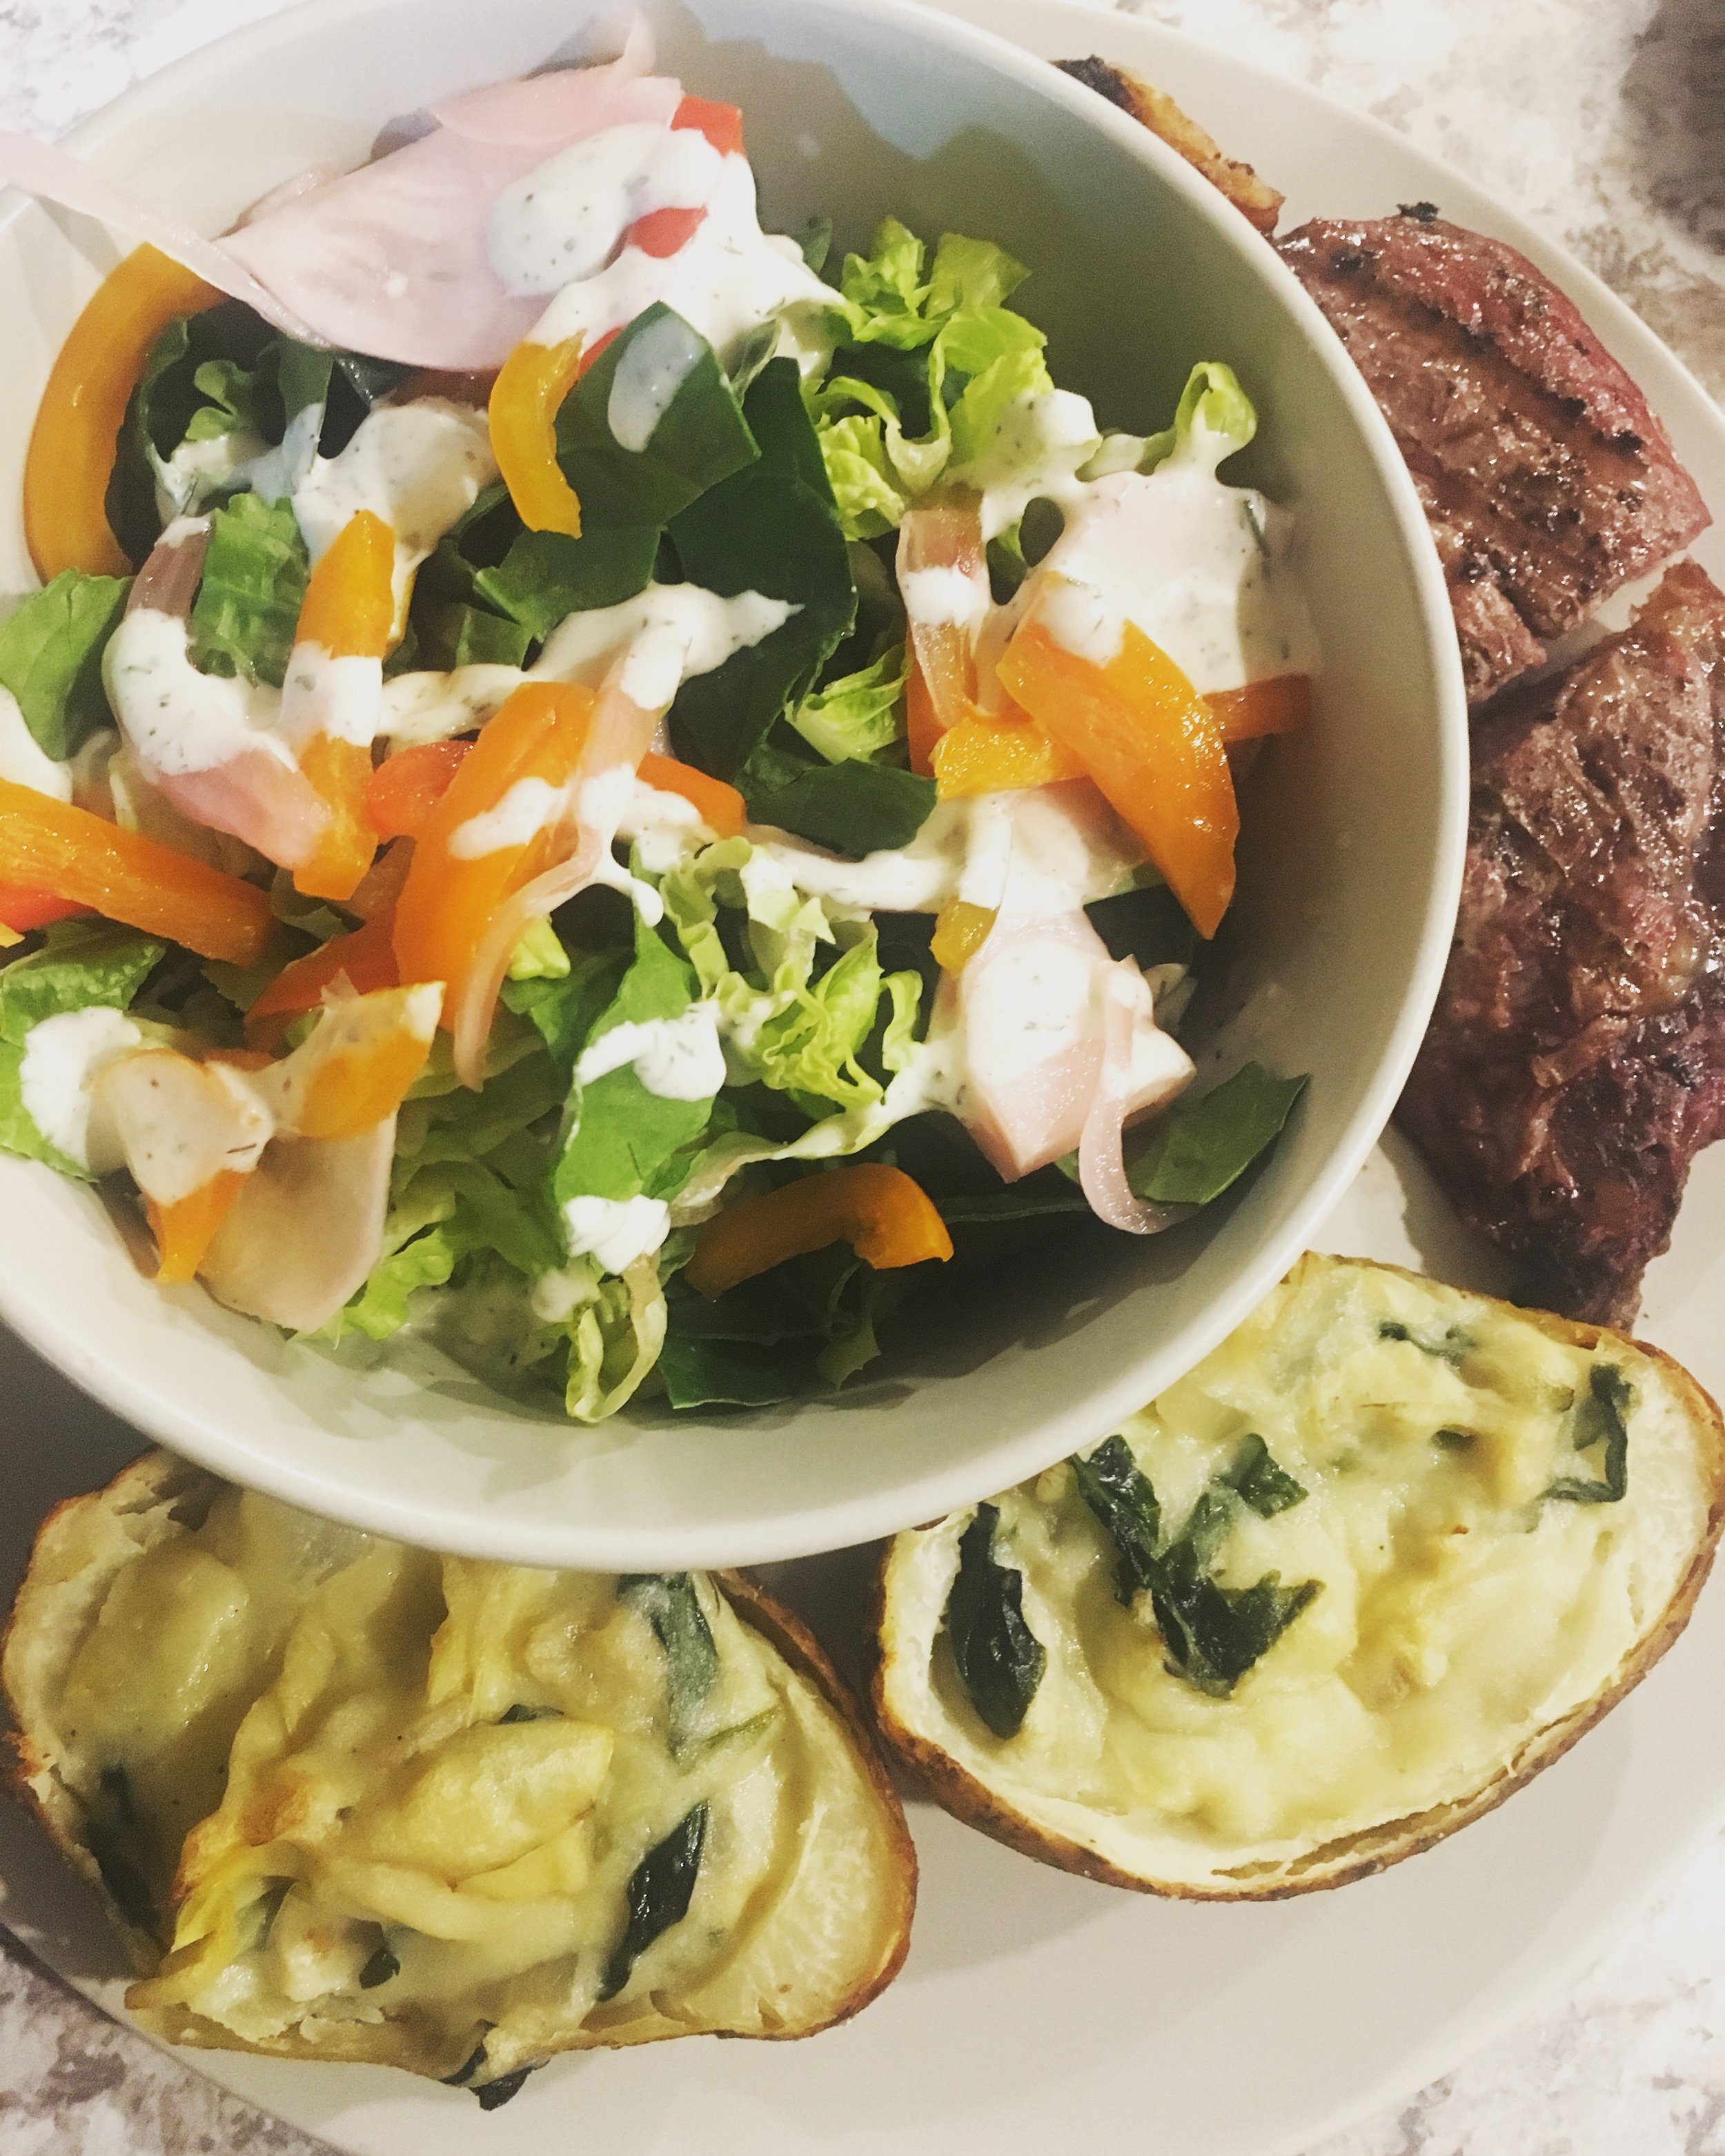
1384 1554
351 1800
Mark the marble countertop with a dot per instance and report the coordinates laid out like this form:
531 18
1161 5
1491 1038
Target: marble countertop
1603 121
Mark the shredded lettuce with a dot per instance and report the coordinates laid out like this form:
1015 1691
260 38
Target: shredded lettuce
81 965
51 647
254 578
1213 418
860 714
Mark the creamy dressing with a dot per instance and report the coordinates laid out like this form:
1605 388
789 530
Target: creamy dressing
727 280
431 707
1203 569
946 597
615 1230
1046 437
648 376
565 220
177 719
530 806
23 760
62 1055
675 1059
326 694
417 466
669 632
664 828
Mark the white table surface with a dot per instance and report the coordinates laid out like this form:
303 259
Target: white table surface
1603 121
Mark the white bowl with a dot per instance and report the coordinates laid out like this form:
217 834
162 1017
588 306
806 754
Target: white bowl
1350 859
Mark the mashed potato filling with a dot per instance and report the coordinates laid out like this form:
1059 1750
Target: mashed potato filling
482 1805
1463 1604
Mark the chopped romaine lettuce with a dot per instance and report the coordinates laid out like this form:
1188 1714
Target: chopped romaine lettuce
81 965
861 714
254 578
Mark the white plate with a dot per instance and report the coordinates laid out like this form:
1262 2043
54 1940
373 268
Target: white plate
1037 2011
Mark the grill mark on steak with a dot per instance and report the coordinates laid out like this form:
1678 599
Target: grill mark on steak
1575 1063
1547 482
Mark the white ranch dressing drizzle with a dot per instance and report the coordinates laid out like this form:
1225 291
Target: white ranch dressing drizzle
726 280
323 693
564 220
675 1059
62 1055
654 368
615 1230
530 806
177 719
417 466
946 597
23 758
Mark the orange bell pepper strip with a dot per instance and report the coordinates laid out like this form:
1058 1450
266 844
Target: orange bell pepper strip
51 846
719 806
406 786
522 416
366 956
1152 745
887 1219
22 910
1277 705
450 895
71 454
185 1229
348 613
986 755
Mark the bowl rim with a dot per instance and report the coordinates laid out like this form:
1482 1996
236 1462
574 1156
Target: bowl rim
576 1541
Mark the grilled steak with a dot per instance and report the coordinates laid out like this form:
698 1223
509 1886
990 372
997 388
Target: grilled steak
1547 481
1576 1061
1156 110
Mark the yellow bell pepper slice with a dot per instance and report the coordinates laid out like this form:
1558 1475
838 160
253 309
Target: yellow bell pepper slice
887 1219
522 415
71 454
986 755
1277 705
1152 745
49 845
450 896
960 932
349 613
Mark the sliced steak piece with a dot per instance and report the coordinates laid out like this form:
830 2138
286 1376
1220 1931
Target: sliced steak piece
1152 108
1548 481
1576 1061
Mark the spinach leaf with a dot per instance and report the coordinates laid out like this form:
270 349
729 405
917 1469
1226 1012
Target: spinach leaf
493 2095
771 527
1117 1491
1195 1152
1149 925
453 635
566 1011
658 1893
1602 1419
1453 1346
804 1327
703 1372
1213 1634
254 578
546 576
1000 1659
116 1843
383 1964
670 1605
620 1140
1264 1485
853 808
51 650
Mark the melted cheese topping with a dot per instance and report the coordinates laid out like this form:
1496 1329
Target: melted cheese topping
425 1785
1460 1611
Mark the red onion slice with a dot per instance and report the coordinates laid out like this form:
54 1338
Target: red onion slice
1102 1157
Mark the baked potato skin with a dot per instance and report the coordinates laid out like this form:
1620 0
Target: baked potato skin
75 1555
1336 1863
1256 199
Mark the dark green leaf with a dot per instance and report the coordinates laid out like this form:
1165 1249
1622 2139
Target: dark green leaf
1214 1635
493 2095
254 578
116 1842
670 1605
1453 1346
1000 1659
659 1894
854 808
1199 1147
1116 1489
521 1711
456 635
544 576
469 2067
816 239
383 1965
51 651
566 1011
771 528
1454 1440
701 438
1602 1419
1150 926
1268 1487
